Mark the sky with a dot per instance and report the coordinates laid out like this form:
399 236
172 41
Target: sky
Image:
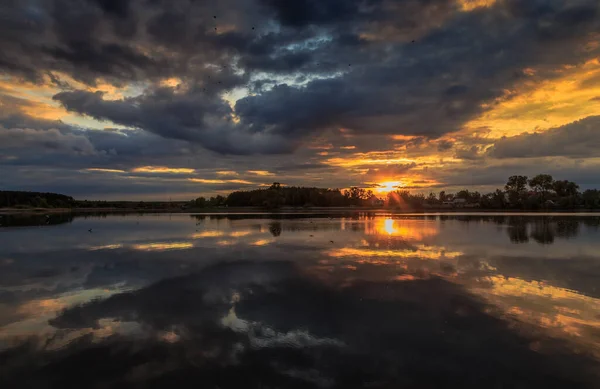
158 100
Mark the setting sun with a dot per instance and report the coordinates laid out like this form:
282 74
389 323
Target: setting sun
388 186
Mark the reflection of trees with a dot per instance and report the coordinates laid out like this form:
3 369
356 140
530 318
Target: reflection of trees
592 222
275 228
542 231
357 227
316 226
500 220
567 228
275 216
517 230
521 229
25 220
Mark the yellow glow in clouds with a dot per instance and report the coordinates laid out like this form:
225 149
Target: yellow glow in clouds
388 186
162 169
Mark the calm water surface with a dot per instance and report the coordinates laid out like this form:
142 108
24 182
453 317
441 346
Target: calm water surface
300 301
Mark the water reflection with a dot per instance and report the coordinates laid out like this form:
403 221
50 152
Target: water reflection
327 301
28 219
275 229
161 246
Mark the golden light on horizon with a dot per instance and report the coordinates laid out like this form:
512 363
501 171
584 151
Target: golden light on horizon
388 186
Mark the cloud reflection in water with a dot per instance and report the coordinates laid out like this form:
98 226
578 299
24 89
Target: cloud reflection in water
367 300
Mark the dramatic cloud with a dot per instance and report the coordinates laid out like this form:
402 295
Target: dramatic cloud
51 140
260 84
580 139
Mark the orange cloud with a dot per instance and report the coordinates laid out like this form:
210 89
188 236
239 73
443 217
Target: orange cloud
538 106
94 169
470 5
162 169
213 181
261 172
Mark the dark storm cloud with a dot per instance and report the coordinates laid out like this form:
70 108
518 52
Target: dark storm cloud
469 153
580 139
376 84
118 8
444 145
52 140
305 12
191 116
118 41
391 170
291 167
443 80
76 148
495 173
374 68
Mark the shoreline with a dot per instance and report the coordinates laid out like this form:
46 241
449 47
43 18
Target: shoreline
291 210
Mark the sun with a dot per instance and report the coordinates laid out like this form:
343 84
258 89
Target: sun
388 186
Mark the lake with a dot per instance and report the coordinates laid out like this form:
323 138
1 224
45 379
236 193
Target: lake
300 301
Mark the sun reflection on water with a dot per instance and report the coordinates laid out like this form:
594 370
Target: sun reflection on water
388 226
401 228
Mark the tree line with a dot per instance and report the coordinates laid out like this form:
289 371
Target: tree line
292 196
24 200
520 192
20 199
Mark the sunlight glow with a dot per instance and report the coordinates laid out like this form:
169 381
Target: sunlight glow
388 226
388 186
403 229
